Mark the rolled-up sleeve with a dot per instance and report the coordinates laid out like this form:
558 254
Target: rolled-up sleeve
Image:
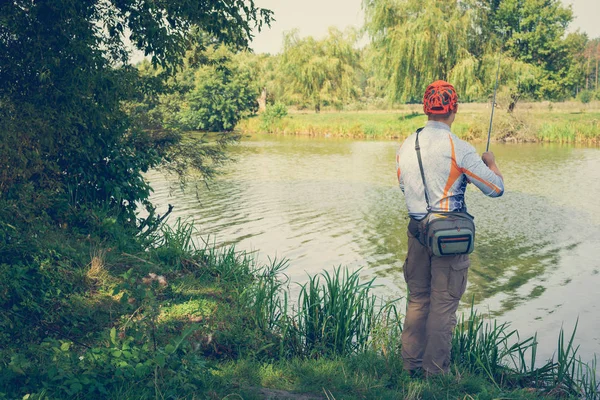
480 175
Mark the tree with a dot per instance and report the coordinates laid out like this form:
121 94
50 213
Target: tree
534 31
417 42
265 70
318 72
223 92
64 70
591 55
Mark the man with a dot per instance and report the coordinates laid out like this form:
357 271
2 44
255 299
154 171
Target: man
436 284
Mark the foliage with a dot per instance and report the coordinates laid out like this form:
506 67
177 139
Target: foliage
416 43
266 74
591 55
585 96
222 93
74 154
497 352
98 371
272 115
534 31
319 72
148 332
409 54
210 92
533 123
65 63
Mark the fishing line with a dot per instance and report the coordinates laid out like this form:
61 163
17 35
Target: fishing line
493 106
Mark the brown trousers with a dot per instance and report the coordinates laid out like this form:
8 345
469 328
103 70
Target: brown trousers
435 285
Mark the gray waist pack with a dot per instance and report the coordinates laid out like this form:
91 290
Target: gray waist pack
444 233
448 233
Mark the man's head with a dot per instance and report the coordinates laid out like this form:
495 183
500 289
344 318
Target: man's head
440 102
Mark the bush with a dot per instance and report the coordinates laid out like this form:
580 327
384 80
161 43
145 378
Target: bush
272 115
585 96
223 94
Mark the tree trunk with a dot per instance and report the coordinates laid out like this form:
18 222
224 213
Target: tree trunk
262 100
596 74
514 98
587 74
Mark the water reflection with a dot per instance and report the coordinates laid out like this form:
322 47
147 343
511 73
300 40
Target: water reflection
328 202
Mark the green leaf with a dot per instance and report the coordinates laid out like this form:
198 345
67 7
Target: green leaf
76 387
160 360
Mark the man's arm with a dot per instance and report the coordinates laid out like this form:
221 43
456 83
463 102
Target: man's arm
483 172
490 160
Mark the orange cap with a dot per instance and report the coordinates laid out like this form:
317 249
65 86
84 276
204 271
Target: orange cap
440 98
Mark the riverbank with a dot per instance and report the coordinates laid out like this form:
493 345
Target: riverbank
109 314
530 122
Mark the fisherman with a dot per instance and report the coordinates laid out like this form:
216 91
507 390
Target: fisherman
436 283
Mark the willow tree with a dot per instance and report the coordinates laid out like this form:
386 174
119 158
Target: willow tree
317 72
475 79
417 42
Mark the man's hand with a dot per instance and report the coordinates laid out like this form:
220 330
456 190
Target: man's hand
488 158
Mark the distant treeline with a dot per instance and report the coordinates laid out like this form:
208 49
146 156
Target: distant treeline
411 43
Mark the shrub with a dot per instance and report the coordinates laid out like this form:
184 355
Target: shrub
272 115
585 96
223 94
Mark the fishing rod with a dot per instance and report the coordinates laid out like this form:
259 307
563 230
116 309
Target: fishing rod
493 106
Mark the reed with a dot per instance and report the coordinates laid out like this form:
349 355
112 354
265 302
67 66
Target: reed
175 243
227 265
337 314
497 352
267 298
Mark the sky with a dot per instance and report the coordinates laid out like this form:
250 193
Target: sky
313 17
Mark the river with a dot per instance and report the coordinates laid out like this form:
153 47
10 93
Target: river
327 202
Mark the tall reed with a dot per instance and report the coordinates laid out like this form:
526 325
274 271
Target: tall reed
336 315
496 351
266 297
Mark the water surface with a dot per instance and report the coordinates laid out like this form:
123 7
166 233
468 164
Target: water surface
328 202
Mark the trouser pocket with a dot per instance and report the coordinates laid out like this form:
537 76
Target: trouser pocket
457 277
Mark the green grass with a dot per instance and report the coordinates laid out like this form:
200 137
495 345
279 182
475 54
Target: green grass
529 123
363 376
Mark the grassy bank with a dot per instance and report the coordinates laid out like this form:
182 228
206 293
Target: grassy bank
109 314
530 122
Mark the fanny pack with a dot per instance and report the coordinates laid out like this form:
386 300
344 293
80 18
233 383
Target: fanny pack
444 233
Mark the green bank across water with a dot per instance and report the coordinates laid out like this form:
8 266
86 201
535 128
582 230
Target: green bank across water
532 123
